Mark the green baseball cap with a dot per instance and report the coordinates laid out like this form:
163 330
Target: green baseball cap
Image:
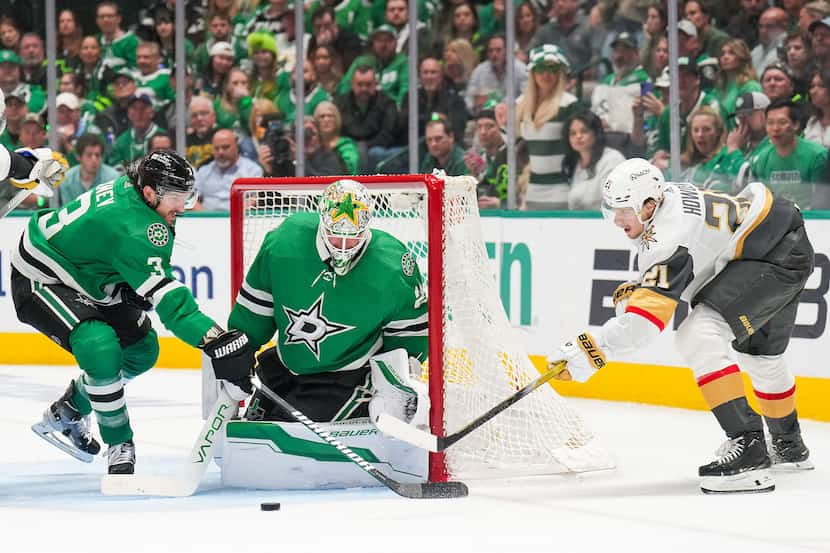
7 56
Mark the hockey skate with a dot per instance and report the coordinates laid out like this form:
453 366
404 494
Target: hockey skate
121 458
742 466
65 428
789 454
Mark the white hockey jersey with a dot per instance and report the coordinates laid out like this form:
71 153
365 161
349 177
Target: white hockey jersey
691 238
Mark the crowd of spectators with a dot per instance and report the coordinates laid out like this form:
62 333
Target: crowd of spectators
591 82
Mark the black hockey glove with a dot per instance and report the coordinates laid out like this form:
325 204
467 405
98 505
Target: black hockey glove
131 298
232 358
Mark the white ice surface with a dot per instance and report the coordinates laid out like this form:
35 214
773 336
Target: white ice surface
50 503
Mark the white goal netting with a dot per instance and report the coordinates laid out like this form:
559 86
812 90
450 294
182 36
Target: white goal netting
484 360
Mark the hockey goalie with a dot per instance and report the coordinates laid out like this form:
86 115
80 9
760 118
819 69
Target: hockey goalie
346 308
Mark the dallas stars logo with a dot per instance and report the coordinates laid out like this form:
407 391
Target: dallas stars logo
310 326
347 208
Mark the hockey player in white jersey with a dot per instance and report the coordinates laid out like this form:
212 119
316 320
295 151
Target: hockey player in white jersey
741 262
36 170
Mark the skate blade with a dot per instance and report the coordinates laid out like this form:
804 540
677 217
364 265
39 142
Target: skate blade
798 466
48 433
753 481
144 484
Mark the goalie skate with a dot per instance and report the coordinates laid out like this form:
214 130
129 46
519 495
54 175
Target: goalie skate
742 466
65 428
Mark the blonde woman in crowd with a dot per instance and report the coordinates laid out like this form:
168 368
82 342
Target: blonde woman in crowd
736 74
541 113
705 162
233 107
459 62
329 122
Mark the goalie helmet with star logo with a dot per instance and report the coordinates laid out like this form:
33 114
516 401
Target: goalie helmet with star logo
345 210
631 184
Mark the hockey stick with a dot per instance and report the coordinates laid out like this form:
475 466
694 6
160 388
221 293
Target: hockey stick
16 200
397 428
427 490
187 481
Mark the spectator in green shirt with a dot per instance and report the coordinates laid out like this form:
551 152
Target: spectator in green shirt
392 68
442 150
793 167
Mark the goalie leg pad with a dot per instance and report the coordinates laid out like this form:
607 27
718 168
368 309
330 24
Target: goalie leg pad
396 392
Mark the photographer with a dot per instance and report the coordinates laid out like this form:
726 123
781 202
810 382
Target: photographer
278 151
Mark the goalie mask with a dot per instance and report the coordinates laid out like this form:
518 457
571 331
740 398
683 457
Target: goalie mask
631 184
169 174
345 210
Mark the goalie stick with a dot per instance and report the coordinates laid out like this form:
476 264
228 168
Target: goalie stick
187 481
397 428
427 490
16 200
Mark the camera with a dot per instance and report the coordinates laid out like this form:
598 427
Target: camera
282 163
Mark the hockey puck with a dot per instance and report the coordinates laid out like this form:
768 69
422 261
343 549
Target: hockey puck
269 506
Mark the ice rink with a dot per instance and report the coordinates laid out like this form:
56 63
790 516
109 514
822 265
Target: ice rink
51 503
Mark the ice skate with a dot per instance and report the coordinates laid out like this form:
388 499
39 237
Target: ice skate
121 458
65 428
742 466
789 454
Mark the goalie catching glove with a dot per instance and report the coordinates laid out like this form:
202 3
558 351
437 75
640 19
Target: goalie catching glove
584 358
47 172
232 359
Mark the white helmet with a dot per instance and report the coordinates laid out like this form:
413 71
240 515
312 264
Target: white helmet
2 111
630 184
345 210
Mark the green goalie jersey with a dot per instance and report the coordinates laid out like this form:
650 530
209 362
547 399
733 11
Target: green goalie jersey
326 322
104 239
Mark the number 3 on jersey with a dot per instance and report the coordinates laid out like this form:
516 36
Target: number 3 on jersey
157 268
657 277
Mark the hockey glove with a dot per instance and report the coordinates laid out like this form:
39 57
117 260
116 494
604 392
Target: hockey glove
47 172
621 295
584 358
232 358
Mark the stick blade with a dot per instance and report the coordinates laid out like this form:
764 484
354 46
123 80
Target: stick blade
143 484
396 428
432 490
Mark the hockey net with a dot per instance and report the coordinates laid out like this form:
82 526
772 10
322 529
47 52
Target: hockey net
480 355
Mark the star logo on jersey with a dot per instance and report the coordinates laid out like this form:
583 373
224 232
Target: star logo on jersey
158 235
347 208
648 237
311 327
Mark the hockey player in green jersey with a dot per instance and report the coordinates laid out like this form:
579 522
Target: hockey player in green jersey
85 274
348 306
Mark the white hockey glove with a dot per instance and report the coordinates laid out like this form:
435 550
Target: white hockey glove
621 295
583 355
232 359
396 392
47 173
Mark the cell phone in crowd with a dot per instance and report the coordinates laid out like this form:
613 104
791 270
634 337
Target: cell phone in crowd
646 87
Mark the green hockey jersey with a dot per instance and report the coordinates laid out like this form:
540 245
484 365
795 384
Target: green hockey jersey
105 238
326 322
